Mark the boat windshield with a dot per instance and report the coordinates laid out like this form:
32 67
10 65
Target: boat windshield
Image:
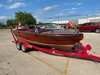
51 26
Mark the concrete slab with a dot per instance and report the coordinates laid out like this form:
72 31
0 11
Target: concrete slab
15 62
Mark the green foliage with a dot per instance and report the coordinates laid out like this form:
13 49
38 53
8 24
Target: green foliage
22 17
11 22
40 23
25 18
0 25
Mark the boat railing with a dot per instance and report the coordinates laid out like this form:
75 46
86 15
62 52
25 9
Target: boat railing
74 27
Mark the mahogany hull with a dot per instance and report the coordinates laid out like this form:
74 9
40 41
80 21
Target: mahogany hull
61 40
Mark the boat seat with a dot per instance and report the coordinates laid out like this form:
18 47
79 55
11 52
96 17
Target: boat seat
38 30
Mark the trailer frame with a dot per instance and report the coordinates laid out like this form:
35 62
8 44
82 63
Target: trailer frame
78 50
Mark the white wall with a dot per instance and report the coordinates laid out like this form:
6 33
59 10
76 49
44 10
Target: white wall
60 22
81 21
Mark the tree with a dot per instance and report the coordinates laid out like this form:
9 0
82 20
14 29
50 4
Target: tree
40 23
0 24
22 17
11 22
25 18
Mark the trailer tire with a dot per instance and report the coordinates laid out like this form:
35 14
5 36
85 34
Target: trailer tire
24 49
97 30
18 45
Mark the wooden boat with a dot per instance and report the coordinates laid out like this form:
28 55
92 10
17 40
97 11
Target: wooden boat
50 38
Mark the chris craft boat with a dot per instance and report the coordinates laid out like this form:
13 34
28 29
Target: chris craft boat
49 36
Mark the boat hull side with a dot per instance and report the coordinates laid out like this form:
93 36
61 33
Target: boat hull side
60 42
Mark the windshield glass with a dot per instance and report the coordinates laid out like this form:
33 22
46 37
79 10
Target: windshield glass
51 26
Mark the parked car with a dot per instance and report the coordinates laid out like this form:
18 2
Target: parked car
92 27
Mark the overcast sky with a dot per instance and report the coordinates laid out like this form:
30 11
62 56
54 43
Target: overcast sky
50 10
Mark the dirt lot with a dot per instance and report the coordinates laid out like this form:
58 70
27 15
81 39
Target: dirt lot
15 62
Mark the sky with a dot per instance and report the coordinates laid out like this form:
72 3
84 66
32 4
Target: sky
50 10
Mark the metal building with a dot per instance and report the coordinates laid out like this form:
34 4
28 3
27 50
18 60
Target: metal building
79 21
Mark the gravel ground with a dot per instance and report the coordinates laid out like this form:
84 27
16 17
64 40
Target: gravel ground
15 62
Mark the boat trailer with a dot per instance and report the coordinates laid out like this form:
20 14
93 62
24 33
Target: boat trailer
78 51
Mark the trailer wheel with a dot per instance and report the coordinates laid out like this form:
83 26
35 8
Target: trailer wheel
18 45
97 30
24 49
